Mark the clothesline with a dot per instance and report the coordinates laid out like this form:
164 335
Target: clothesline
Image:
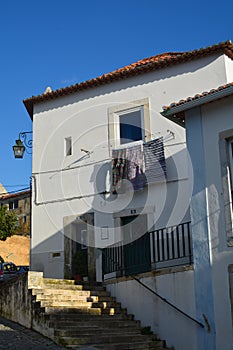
139 142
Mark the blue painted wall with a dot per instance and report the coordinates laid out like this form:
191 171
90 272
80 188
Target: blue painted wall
200 233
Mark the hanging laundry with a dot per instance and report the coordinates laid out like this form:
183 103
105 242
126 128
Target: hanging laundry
135 166
119 168
138 165
155 165
128 164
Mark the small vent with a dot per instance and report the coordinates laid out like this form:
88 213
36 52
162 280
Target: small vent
56 255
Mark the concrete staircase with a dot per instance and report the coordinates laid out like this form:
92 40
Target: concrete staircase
86 315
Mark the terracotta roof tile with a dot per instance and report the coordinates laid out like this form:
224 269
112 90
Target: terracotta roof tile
176 110
14 195
142 66
196 97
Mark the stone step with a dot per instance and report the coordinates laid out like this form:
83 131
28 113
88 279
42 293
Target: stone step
97 331
84 310
91 286
73 297
122 346
87 284
73 291
81 285
66 303
151 345
80 304
84 314
94 323
100 293
64 286
60 291
55 281
68 315
61 298
107 304
128 338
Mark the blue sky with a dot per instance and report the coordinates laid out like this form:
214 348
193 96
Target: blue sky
59 43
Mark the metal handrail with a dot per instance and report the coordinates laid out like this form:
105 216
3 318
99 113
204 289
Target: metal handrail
168 302
116 263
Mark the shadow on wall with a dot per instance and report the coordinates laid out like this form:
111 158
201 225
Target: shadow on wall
71 259
48 259
176 194
54 255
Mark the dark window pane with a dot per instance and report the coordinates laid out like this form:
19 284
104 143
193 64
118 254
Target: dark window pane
130 127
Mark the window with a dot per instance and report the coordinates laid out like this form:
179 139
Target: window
230 274
13 204
104 232
131 126
68 146
226 163
230 159
83 239
129 123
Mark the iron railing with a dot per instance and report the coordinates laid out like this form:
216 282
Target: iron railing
168 247
112 259
171 246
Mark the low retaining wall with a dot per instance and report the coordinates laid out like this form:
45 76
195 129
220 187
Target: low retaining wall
17 302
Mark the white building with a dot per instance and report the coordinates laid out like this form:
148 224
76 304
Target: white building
208 120
143 232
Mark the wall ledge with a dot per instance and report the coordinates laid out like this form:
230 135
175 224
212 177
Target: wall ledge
165 271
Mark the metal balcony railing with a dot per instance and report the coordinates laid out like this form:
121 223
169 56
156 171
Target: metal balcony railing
171 246
162 248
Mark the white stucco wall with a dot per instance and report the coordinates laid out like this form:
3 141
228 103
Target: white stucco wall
218 117
212 255
229 69
177 288
84 117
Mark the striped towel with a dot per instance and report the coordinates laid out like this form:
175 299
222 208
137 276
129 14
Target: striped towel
155 165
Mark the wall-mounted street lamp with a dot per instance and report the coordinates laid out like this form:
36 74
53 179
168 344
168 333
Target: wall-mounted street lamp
22 144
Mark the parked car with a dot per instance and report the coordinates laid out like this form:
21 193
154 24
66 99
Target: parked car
8 270
22 269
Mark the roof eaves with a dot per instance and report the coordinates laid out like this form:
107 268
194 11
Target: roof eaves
13 195
142 66
197 100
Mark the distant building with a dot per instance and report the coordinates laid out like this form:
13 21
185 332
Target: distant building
20 203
